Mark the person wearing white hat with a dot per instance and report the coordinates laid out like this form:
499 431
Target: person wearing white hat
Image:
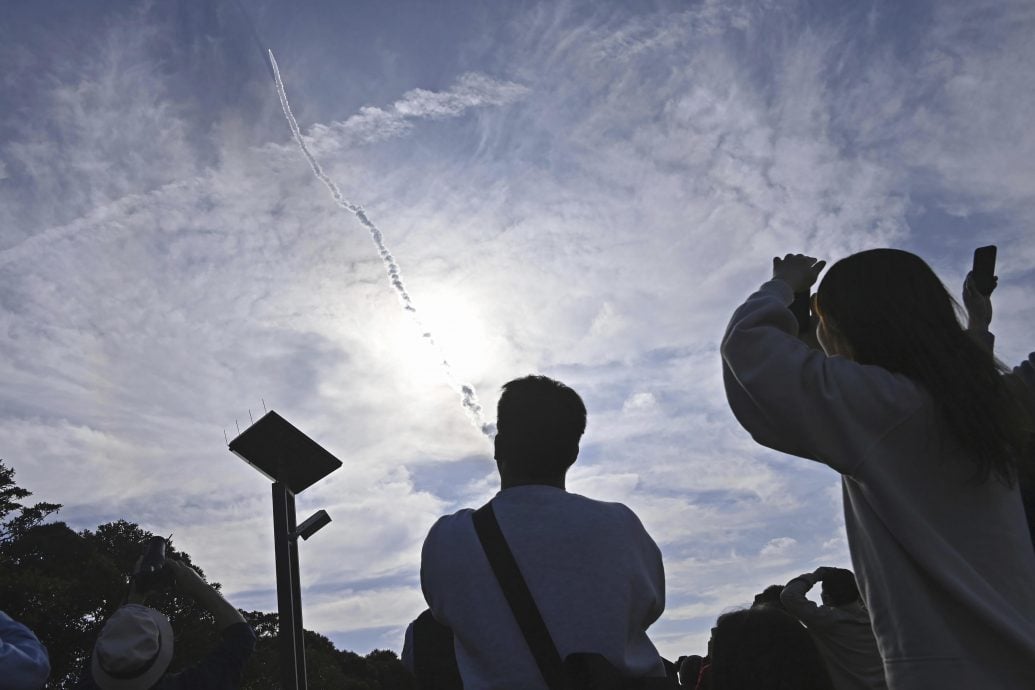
135 646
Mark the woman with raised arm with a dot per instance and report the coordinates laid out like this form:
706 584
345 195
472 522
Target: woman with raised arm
914 414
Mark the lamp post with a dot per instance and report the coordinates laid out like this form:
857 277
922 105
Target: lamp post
294 462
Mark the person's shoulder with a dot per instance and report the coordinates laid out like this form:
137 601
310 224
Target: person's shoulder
874 386
597 504
448 527
14 629
448 523
618 515
450 542
619 526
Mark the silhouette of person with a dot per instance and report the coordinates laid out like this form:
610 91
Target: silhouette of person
135 646
919 422
770 596
840 627
763 648
592 569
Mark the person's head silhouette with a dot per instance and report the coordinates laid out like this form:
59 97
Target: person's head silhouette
886 307
539 424
839 587
763 648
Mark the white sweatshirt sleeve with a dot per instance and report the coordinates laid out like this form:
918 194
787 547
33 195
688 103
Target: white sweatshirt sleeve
797 400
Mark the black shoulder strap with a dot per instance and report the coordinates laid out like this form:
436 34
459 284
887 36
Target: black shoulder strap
522 605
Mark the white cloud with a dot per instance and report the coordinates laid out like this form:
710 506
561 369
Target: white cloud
594 213
778 547
372 124
643 402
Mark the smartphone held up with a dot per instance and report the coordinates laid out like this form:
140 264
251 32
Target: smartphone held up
983 270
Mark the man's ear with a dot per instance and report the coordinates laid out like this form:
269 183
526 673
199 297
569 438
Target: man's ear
501 446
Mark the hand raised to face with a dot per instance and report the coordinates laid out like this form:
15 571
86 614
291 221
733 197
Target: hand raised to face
798 270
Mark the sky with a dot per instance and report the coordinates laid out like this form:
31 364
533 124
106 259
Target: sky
585 190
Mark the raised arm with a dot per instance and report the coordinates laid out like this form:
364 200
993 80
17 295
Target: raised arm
798 605
189 582
798 400
979 312
222 667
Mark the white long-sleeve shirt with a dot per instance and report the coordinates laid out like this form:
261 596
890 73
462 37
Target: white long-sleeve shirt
945 566
594 572
843 635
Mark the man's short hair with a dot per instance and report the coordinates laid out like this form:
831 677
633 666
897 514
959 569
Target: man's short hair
539 422
839 587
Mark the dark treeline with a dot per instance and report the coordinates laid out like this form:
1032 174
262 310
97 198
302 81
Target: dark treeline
64 584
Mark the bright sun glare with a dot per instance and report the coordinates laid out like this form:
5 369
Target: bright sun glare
454 321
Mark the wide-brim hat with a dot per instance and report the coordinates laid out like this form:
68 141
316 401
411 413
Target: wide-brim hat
133 650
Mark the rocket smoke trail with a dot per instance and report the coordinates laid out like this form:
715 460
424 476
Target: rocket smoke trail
468 396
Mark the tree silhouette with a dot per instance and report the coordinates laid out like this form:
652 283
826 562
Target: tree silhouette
64 584
16 518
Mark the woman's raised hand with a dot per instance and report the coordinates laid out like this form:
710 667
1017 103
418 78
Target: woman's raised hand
797 270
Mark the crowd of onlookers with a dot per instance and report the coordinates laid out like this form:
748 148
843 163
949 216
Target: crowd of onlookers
749 648
785 640
875 378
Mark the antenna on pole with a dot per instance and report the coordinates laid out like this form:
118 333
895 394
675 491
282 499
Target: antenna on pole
238 427
225 438
250 420
263 405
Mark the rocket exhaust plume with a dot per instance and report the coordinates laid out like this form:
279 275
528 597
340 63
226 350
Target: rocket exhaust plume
468 396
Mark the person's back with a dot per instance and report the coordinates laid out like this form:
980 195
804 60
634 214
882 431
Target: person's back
935 527
594 572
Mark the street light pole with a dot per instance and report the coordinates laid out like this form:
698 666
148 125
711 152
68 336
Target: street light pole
291 638
294 462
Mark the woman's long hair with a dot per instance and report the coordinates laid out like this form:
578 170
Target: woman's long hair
893 311
765 649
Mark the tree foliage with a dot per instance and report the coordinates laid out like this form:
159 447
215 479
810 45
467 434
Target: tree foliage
64 584
16 518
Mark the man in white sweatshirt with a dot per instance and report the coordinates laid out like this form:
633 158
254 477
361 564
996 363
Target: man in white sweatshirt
595 574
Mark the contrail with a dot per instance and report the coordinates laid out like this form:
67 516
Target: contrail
468 396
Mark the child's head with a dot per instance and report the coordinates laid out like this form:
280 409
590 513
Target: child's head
886 307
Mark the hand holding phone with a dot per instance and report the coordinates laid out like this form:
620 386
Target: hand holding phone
983 271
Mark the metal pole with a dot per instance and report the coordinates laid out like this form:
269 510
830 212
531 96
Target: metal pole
296 602
289 595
